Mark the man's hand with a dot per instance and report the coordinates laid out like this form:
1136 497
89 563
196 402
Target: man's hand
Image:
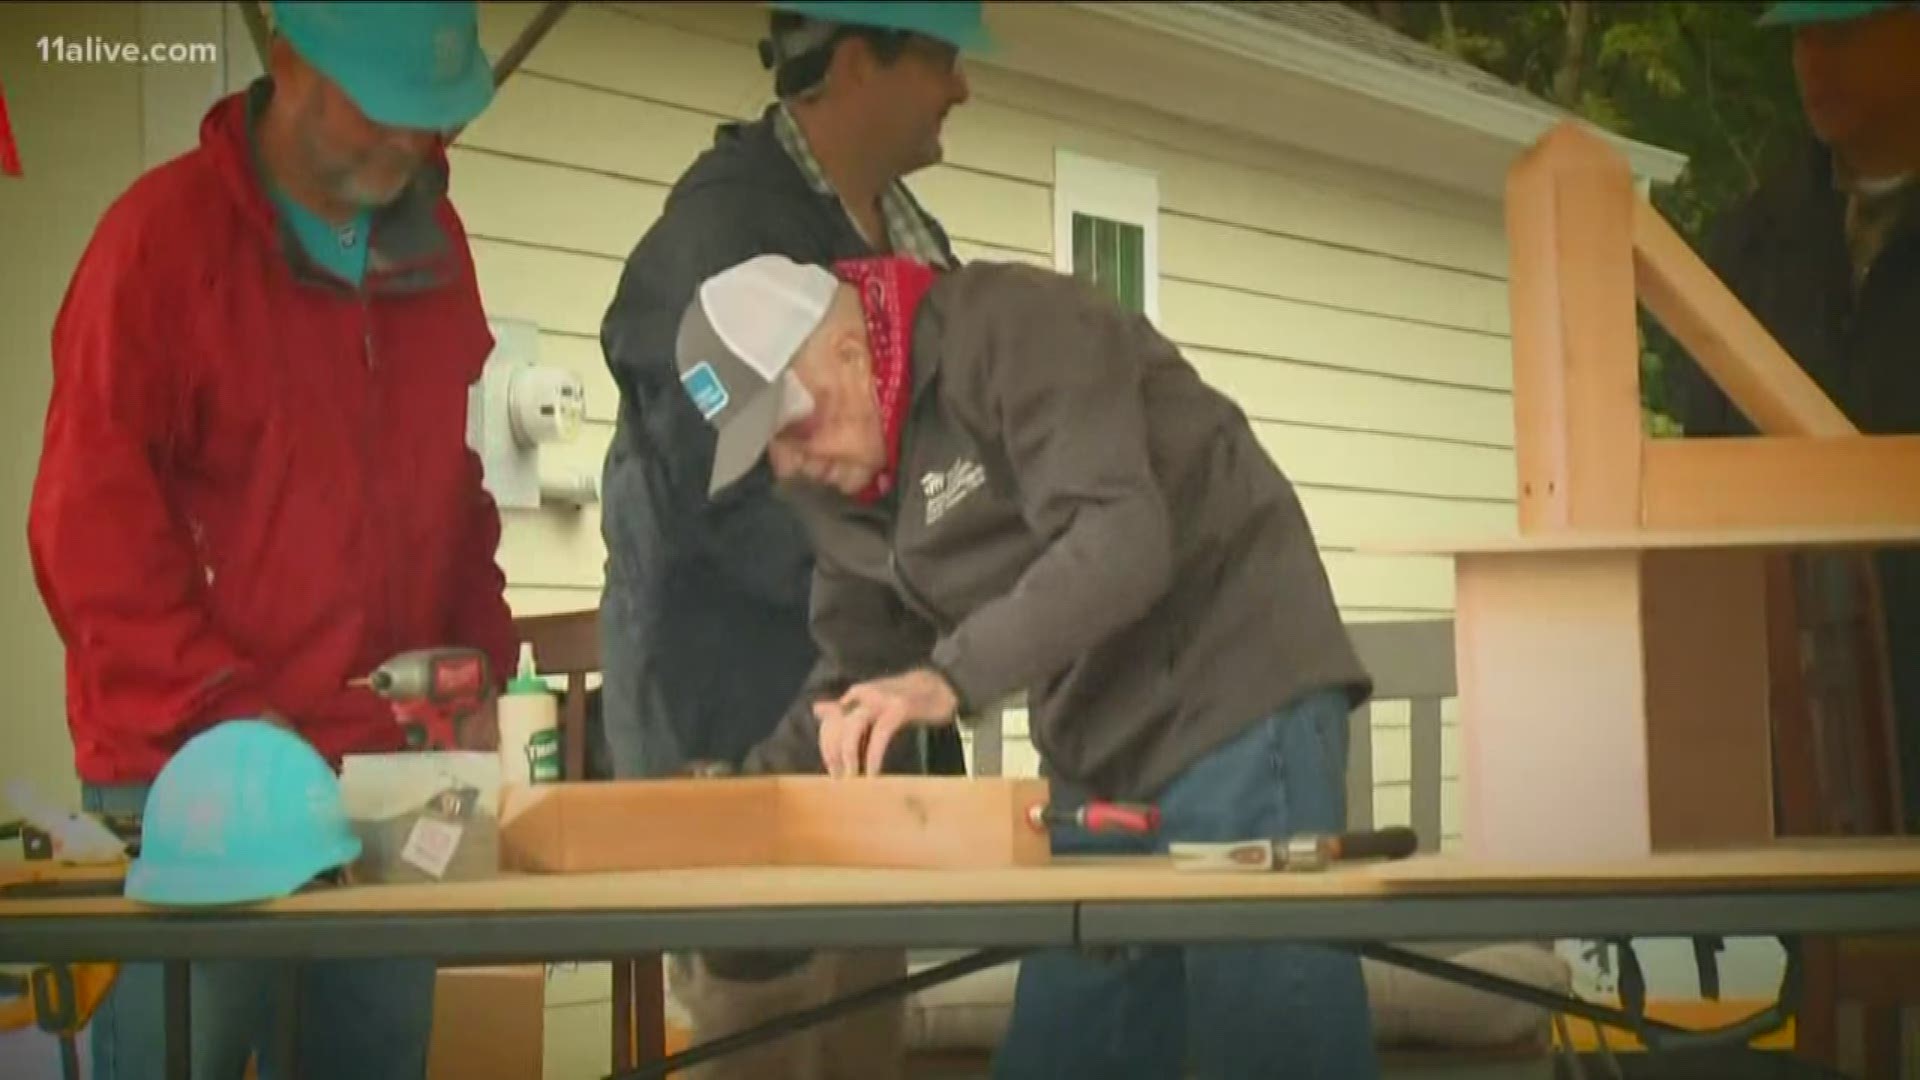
868 716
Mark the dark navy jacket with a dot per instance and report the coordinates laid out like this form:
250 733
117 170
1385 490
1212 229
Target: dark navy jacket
1784 254
706 603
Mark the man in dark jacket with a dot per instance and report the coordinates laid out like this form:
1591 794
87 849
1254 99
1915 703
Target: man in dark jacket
1014 484
693 583
690 581
1826 254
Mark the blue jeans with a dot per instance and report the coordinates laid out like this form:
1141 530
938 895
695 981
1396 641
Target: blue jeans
1264 1010
358 1018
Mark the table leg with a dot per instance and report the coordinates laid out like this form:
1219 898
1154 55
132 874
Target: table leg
623 1050
286 1027
179 1026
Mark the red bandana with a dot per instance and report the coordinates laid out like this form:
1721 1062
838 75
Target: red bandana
891 288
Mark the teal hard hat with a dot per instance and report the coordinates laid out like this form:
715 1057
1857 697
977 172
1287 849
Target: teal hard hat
1827 11
410 65
957 22
245 811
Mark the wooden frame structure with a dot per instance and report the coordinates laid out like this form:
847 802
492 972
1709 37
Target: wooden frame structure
1613 658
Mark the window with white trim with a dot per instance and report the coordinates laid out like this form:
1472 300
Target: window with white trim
1106 228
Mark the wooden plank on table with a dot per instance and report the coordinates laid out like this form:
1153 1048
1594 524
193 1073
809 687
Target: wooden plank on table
635 824
897 821
1729 344
1851 482
888 821
1576 354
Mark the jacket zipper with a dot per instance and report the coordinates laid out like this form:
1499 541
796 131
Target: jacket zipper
375 515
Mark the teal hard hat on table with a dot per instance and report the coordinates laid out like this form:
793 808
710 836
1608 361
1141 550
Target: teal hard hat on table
245 811
410 65
957 22
1804 12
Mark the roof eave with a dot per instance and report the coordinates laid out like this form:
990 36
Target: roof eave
1220 27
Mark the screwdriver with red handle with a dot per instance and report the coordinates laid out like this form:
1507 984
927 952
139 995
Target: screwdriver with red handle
1097 816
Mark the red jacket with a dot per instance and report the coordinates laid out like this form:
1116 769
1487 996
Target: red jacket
255 483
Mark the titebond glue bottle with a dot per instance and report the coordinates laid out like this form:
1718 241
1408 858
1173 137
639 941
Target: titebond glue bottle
529 727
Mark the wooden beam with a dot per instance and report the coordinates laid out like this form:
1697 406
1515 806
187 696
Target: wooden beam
909 822
881 822
1738 353
1768 482
1576 378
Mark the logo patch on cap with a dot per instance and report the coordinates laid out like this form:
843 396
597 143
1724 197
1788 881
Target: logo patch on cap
703 385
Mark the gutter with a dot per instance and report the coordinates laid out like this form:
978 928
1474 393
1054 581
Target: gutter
1227 30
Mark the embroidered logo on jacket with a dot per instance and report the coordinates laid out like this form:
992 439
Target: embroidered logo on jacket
945 490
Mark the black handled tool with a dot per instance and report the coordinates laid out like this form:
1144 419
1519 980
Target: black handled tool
1299 853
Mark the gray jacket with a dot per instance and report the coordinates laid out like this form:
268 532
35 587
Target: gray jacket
1080 517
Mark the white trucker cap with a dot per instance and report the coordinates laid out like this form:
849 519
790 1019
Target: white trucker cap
738 337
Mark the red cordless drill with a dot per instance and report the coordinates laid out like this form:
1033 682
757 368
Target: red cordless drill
432 690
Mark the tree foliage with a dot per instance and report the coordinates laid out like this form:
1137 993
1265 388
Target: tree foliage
1703 79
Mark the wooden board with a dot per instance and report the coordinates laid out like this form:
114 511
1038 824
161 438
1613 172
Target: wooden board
1773 868
1613 702
887 821
1768 482
1736 351
1576 368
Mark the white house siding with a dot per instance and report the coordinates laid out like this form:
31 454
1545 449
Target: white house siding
1359 319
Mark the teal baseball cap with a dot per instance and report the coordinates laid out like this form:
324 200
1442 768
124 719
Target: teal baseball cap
1803 12
957 22
410 65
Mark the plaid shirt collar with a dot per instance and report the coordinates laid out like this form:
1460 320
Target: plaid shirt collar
907 231
1875 211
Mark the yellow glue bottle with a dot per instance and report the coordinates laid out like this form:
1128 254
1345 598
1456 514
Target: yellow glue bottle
529 727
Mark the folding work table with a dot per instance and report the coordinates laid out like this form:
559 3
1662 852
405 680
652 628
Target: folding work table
1787 890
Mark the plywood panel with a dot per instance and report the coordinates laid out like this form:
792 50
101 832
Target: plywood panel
1196 314
534 202
1276 390
560 290
554 548
547 120
1347 518
1215 173
1387 462
565 123
600 47
1283 266
1390 581
528 600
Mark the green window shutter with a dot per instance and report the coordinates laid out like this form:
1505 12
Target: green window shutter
1111 255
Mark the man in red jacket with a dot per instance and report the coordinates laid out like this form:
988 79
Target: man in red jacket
255 483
